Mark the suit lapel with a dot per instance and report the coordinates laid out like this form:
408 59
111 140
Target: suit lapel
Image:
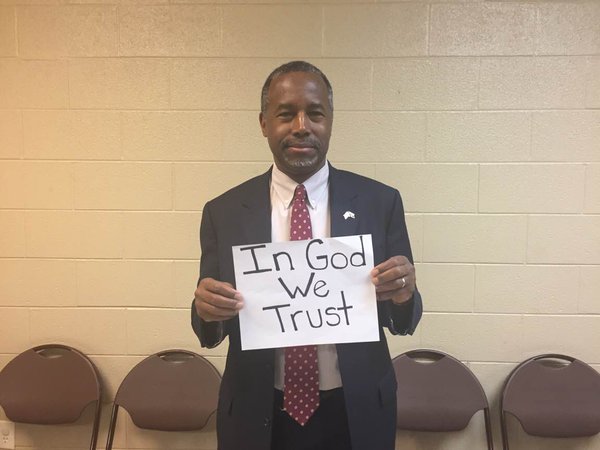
255 228
255 215
343 198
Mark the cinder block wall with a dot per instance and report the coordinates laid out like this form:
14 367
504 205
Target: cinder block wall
119 119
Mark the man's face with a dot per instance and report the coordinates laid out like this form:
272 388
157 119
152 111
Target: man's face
297 123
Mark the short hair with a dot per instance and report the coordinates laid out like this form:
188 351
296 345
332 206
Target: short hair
292 66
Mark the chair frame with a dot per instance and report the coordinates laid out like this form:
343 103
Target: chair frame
96 376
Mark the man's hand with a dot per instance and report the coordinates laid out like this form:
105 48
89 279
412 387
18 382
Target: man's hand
217 300
394 280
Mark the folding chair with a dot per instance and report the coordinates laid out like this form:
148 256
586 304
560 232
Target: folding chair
173 390
438 394
50 384
552 395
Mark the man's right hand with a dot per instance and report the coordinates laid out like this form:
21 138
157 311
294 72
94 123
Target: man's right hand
217 300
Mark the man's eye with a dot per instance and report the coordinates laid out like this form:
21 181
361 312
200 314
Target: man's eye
284 115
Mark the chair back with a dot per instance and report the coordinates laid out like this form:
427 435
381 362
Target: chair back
552 395
50 384
436 392
173 390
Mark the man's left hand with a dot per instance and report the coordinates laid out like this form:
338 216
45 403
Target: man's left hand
394 280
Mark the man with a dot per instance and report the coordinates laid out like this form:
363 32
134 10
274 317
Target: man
355 403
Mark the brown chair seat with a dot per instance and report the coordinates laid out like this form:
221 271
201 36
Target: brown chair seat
173 390
50 384
552 396
436 392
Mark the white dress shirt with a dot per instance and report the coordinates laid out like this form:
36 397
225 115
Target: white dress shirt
282 193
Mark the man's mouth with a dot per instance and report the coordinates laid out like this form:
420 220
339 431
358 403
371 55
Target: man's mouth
300 146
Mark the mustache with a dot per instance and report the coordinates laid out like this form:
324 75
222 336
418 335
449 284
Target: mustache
309 142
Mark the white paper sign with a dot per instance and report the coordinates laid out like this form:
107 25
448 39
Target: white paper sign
316 291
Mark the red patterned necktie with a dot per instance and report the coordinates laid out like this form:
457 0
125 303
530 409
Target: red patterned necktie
301 392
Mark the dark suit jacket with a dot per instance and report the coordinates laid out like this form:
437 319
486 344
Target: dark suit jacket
243 216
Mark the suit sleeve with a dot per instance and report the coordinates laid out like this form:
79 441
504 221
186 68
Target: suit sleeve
400 319
210 334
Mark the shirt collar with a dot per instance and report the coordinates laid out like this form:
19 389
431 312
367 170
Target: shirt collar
316 186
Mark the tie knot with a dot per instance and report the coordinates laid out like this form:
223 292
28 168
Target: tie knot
300 193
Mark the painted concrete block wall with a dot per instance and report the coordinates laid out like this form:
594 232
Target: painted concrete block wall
120 119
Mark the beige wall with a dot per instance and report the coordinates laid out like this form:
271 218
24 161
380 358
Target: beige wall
119 119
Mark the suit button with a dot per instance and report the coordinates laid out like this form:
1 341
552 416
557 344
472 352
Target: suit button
267 422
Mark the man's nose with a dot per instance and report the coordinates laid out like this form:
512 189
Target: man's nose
299 124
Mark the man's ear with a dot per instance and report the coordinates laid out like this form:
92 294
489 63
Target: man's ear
263 124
